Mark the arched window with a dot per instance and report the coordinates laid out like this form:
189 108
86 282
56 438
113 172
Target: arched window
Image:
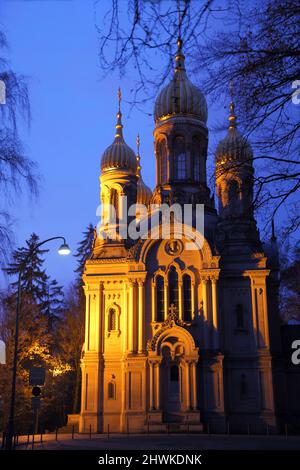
112 319
163 161
173 287
243 386
196 158
187 298
160 303
239 313
233 191
174 373
111 391
114 202
180 171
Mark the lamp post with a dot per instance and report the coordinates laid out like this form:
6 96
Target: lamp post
63 250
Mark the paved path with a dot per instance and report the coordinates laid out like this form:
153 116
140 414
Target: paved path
162 442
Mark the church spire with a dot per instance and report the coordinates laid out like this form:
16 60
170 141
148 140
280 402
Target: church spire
232 115
138 157
179 57
119 125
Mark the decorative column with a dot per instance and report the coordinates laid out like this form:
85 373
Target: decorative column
194 385
193 300
153 299
87 319
187 386
260 309
130 326
100 318
180 299
141 321
254 313
166 298
215 331
205 312
151 395
157 386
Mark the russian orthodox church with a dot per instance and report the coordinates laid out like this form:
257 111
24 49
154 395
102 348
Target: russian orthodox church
175 336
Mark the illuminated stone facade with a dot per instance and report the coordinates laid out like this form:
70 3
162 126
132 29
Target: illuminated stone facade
175 335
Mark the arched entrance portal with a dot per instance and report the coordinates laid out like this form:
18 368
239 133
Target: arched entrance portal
173 360
171 379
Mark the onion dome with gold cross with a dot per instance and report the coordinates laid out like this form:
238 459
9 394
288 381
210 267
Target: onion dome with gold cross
180 96
144 193
234 147
119 155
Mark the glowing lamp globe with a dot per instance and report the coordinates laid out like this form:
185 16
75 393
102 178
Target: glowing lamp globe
64 249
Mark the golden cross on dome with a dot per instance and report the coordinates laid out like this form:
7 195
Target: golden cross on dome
232 116
119 98
119 126
138 158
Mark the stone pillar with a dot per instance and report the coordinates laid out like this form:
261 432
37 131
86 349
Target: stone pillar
166 298
151 394
153 300
193 300
101 318
187 386
260 311
215 331
194 385
254 314
130 326
141 321
205 312
87 320
157 386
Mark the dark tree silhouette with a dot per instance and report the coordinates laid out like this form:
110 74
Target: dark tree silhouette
254 45
17 171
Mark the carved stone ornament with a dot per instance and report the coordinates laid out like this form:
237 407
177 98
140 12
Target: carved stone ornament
174 247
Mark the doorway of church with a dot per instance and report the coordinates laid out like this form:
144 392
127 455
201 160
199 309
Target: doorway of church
171 392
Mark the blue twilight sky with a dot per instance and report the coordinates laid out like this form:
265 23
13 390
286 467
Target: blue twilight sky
54 43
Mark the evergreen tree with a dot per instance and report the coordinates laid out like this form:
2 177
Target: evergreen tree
84 251
34 278
41 307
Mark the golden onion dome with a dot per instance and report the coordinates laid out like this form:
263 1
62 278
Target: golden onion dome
119 155
180 96
234 147
144 193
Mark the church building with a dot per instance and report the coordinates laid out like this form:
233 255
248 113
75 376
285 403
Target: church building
177 336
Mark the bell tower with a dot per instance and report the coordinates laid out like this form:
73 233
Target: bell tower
118 183
234 183
181 139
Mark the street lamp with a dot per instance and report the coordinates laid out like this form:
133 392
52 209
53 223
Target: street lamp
63 250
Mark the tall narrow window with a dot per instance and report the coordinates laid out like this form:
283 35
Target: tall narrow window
111 391
187 298
196 158
111 319
173 287
174 373
163 161
239 312
243 385
114 201
160 304
233 191
180 171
